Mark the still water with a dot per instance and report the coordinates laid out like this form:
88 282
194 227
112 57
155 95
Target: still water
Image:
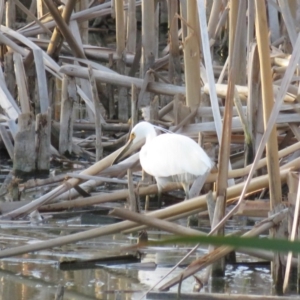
37 276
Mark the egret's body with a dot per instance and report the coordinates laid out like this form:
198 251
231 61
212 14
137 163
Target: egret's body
170 157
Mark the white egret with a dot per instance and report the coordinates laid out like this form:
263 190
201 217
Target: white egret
169 157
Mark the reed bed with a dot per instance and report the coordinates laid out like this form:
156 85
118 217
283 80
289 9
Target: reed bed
225 74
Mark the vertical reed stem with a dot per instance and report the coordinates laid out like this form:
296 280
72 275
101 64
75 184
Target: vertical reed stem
192 57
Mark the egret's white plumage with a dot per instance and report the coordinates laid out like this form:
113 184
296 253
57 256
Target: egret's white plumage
170 157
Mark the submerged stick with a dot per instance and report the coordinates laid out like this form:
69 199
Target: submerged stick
154 222
220 252
192 205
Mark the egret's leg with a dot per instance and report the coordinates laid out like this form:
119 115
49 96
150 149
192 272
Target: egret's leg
159 194
159 202
186 188
161 182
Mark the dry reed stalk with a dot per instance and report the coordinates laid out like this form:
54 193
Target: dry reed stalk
103 179
123 107
279 99
32 16
183 15
273 18
191 54
262 34
41 11
295 130
289 20
174 55
42 141
221 251
56 40
209 70
83 26
11 44
154 222
248 153
9 76
101 10
240 57
64 29
50 64
212 296
192 206
148 35
2 10
188 119
219 90
132 197
221 24
43 97
293 236
66 186
57 101
236 15
134 112
131 27
152 189
214 17
253 102
7 141
68 98
98 127
21 80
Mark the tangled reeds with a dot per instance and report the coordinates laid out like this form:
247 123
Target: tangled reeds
226 77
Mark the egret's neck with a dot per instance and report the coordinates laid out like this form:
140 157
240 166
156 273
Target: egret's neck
151 134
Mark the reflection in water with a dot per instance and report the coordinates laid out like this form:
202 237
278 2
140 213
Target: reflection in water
37 276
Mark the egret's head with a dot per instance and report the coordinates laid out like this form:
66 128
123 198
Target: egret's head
142 130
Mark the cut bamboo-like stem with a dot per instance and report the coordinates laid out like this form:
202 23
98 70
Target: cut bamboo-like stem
224 154
56 38
64 29
120 30
155 87
262 34
98 128
131 27
154 222
192 57
148 35
174 57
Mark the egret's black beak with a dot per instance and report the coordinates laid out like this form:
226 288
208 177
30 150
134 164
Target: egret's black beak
123 151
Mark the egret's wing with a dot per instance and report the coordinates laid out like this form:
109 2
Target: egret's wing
173 154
